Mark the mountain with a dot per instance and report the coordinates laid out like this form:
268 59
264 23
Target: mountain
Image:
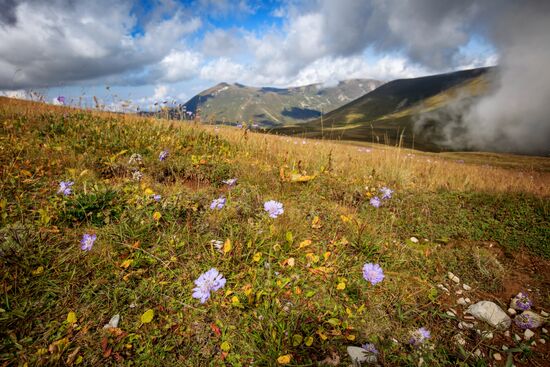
268 106
393 111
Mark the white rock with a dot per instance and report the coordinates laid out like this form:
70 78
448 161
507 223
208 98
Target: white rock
453 277
459 339
466 287
507 333
478 352
544 331
468 317
414 240
461 301
545 314
487 335
497 357
491 313
542 341
443 288
467 300
452 310
517 337
449 313
359 355
511 311
465 325
113 323
504 348
459 292
528 334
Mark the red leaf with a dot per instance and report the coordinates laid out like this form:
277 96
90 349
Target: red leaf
215 329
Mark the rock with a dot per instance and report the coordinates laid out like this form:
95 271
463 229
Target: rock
468 317
517 337
544 331
459 339
459 292
497 357
461 301
544 314
491 313
542 341
449 313
511 311
414 240
487 335
443 288
478 352
467 300
113 323
528 334
536 319
465 325
466 287
507 333
453 277
504 348
359 355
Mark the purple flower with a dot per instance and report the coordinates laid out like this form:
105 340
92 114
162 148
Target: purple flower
525 321
230 182
419 336
373 273
157 197
218 203
274 208
163 155
375 201
61 99
65 188
386 193
87 241
522 301
370 348
207 282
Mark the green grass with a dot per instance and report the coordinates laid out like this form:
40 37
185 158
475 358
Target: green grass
283 296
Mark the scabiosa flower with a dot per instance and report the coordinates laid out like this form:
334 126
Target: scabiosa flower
419 336
370 348
373 273
137 176
87 241
218 203
207 282
386 193
157 197
525 321
230 182
163 155
274 208
375 201
61 99
65 188
522 301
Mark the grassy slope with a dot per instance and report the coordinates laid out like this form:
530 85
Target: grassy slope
268 308
386 115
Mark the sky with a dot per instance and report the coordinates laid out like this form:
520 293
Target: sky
150 51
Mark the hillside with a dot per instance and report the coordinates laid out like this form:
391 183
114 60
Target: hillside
111 226
388 113
235 103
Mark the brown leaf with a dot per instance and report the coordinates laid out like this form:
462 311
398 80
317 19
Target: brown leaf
72 357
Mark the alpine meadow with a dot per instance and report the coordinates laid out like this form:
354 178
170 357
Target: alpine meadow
274 183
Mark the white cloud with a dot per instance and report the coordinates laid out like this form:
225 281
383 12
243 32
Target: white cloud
179 65
223 69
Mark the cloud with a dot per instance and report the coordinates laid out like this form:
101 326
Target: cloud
221 42
61 42
223 69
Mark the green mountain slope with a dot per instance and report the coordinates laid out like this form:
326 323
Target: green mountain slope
275 106
388 113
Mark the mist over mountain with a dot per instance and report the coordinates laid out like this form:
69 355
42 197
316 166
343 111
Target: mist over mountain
266 106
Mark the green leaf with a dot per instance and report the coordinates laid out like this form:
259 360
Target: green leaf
289 237
147 316
296 340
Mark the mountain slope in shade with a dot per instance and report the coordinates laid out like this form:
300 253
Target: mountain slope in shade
410 110
275 106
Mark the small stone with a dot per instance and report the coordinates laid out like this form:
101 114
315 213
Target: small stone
545 314
452 310
491 313
458 292
507 333
528 334
461 301
533 343
414 240
466 287
545 331
478 352
504 348
449 313
487 335
497 357
465 325
511 311
542 341
468 317
459 339
467 300
113 323
517 337
443 288
453 277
